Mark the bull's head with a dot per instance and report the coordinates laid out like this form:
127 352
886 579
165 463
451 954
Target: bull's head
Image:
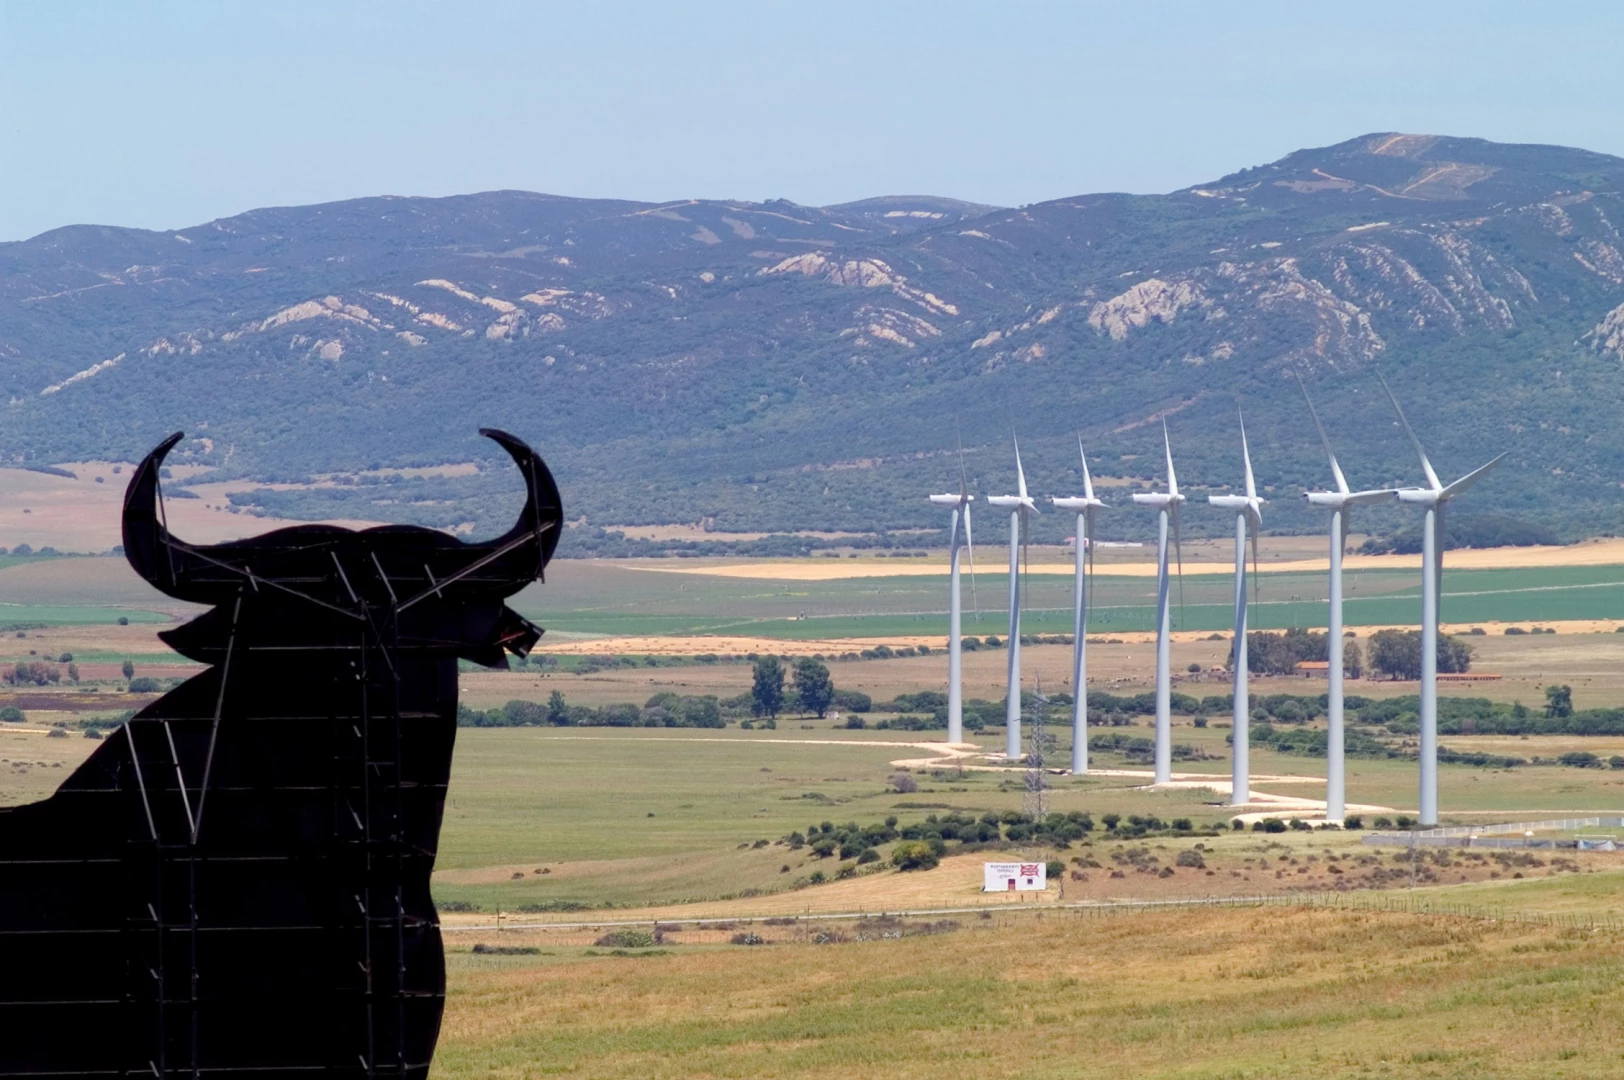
315 586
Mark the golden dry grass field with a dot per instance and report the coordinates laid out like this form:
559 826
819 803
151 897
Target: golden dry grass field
1259 993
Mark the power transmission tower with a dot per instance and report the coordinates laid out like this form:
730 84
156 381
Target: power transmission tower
1035 800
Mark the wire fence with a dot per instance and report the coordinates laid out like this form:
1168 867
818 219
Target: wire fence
1394 903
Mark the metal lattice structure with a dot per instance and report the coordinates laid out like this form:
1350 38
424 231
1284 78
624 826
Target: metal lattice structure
1040 744
237 881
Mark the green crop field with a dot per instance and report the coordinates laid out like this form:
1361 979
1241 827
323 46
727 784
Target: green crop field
626 600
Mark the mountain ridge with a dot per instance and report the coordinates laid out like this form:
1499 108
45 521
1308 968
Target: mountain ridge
711 360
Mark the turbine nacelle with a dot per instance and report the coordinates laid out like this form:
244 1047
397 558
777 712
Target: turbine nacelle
1159 499
1340 500
952 500
1013 502
1079 504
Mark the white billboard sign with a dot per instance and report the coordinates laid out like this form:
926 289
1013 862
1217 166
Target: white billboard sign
1014 877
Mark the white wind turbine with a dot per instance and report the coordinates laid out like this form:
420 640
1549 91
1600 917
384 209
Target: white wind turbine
955 674
1085 508
1434 497
1248 520
1020 508
1339 502
1167 505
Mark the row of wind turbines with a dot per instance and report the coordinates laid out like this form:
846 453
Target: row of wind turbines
1434 497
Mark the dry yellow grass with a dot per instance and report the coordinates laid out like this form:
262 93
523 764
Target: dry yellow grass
1261 993
1141 562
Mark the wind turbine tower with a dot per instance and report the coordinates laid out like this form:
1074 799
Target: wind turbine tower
1167 505
1085 508
1339 502
1248 520
955 655
1020 508
1434 498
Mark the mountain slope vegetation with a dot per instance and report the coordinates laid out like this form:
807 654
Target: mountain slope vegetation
772 366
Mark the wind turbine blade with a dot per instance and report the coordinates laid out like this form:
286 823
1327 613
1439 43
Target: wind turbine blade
1172 479
1246 454
1471 478
964 477
1088 527
1426 466
1020 473
1178 547
970 545
1088 481
1336 470
1438 560
1254 527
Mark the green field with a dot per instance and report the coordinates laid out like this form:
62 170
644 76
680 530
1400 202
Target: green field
621 600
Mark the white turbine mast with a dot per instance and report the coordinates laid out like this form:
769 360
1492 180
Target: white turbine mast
1084 508
1167 506
1339 502
955 609
1248 521
1020 507
1433 498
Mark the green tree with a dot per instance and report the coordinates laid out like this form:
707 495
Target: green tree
815 687
129 670
558 712
1559 701
1397 654
767 689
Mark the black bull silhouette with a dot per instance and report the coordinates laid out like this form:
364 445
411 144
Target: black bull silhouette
237 880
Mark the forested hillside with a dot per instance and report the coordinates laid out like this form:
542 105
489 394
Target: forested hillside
774 366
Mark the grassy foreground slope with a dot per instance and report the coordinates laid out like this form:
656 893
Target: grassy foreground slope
1228 993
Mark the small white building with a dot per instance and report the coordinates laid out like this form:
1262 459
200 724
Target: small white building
1014 877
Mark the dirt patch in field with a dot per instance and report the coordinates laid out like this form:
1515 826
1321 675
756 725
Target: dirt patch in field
82 514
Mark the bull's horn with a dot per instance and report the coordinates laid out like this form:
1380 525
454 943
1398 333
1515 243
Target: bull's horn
543 513
146 539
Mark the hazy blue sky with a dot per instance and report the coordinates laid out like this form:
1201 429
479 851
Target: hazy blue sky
167 114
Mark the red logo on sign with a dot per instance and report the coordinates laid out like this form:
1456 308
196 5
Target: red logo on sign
1029 870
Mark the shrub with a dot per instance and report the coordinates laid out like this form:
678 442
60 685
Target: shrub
855 723
914 855
1353 821
123 620
12 715
92 733
1193 669
869 855
1404 821
1055 869
56 733
1580 759
1616 762
747 938
1270 825
627 939
1383 822
1191 858
904 784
